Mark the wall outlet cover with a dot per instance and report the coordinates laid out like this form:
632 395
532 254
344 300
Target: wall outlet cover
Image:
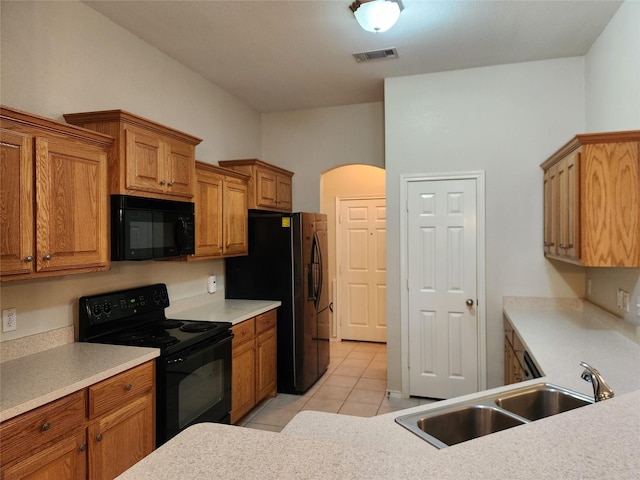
211 284
9 319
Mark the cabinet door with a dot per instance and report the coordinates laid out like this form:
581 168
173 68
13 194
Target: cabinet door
243 379
144 161
208 206
71 205
16 203
266 189
284 192
65 459
569 200
266 364
179 159
120 439
551 210
236 235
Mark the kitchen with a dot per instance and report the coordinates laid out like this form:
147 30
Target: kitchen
537 105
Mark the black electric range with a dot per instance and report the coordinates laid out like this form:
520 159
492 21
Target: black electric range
193 371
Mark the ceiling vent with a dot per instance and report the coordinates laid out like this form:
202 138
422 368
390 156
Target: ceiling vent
376 55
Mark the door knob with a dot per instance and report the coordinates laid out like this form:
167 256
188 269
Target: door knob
469 302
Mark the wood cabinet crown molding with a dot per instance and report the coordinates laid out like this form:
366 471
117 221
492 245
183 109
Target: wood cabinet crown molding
26 120
590 138
125 117
249 162
592 200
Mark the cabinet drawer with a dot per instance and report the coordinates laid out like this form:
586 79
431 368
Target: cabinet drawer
30 430
116 391
265 321
243 331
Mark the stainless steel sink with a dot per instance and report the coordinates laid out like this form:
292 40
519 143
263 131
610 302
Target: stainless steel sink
465 421
542 401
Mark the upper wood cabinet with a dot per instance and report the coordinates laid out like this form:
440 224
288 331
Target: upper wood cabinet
592 201
269 186
221 205
53 197
149 160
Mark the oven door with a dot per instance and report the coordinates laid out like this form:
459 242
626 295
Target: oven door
194 387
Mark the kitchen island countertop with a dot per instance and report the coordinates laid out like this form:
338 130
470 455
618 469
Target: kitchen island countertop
595 441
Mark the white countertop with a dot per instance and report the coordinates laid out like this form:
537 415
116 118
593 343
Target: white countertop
34 380
560 337
222 310
547 449
596 441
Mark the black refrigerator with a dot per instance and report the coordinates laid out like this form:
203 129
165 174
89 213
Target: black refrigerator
287 261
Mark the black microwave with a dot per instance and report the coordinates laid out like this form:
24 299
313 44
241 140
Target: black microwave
148 228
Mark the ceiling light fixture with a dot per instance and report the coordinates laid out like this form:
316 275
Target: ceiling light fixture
376 15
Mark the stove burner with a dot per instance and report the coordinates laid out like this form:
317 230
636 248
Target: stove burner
158 338
198 327
132 337
165 341
170 323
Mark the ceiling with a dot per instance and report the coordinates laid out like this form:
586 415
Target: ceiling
288 55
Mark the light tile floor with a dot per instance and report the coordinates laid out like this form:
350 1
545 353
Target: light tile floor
355 384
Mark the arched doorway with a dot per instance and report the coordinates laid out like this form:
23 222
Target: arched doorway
346 187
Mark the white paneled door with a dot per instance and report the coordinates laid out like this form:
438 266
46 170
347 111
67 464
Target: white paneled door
442 287
362 273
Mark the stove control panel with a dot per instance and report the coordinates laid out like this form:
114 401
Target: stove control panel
113 306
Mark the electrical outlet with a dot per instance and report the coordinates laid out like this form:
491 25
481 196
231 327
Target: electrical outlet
619 299
211 284
625 301
9 319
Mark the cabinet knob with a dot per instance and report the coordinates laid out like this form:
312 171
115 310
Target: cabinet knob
29 259
46 427
162 182
128 387
99 437
170 184
83 447
47 256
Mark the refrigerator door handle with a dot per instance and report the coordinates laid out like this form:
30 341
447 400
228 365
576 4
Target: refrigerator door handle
315 272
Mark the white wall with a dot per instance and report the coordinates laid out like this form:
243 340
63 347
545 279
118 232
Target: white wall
504 120
310 142
612 72
60 57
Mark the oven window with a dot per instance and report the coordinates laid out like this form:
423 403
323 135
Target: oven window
199 391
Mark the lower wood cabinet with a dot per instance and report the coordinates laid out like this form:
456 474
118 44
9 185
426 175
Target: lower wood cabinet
254 363
95 433
514 370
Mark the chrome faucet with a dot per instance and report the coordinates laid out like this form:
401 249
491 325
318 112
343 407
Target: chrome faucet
601 391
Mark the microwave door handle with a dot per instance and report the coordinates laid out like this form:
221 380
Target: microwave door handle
181 233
